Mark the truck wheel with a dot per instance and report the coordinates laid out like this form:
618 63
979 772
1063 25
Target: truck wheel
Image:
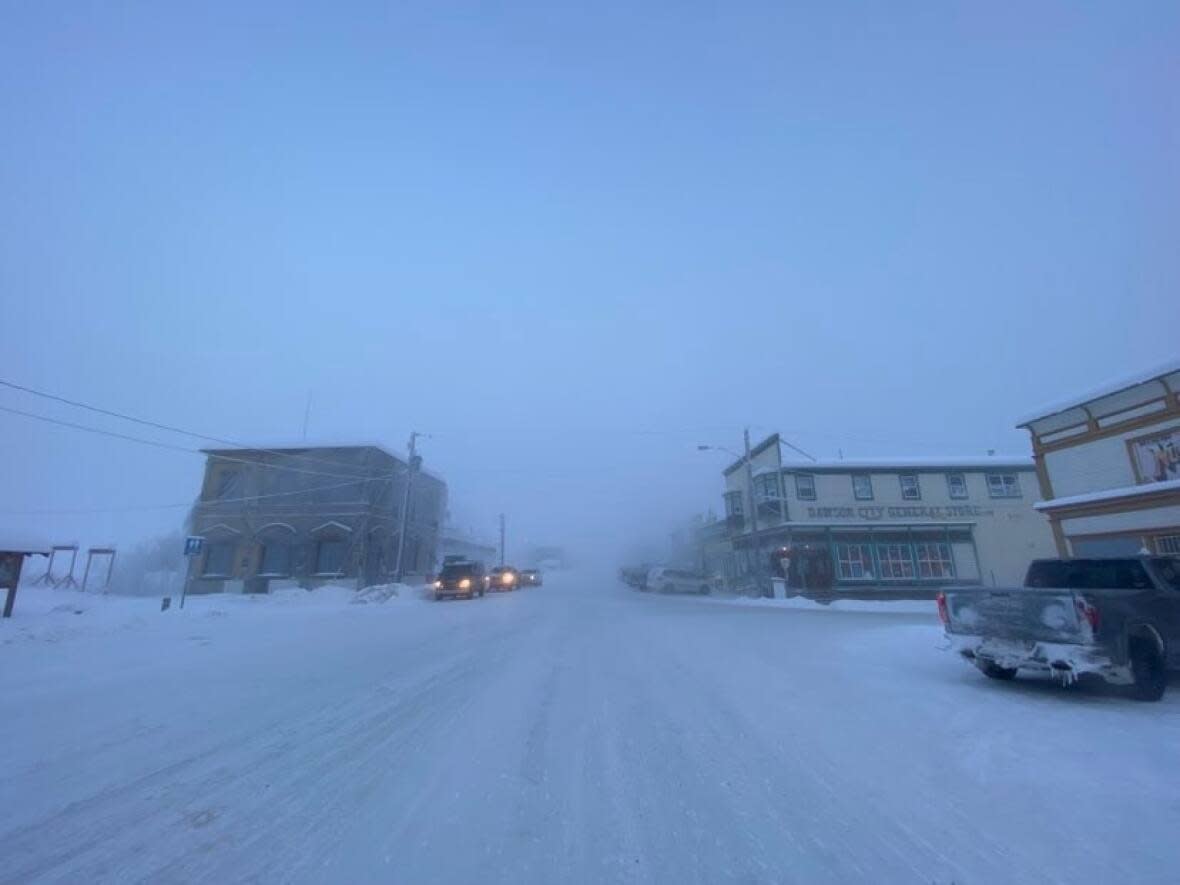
1148 670
704 590
667 588
992 670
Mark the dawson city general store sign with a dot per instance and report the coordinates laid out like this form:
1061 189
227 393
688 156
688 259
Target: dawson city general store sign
898 511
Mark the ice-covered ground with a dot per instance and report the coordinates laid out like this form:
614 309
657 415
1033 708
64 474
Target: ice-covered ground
577 732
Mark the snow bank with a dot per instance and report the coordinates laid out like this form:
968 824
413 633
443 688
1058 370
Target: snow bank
873 606
53 615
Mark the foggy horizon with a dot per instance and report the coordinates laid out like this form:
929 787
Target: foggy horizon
569 247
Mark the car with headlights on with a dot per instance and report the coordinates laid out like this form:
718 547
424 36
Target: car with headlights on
530 577
461 578
503 577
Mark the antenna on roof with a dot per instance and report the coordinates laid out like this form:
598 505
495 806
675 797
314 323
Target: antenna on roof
306 415
840 453
991 452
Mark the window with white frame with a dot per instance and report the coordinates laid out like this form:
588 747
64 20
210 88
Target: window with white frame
1003 485
733 503
934 560
854 562
805 486
910 490
768 495
862 486
956 485
1168 544
896 562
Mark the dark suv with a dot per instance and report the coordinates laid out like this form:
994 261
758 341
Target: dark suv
460 579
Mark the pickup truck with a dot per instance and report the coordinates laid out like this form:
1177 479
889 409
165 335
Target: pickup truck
1118 618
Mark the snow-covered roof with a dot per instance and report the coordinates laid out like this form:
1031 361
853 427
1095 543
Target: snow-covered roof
1117 385
930 462
288 445
22 544
310 445
1153 488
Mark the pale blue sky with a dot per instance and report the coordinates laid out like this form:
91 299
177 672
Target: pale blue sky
573 241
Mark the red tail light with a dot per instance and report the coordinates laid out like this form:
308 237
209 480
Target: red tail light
943 614
1089 613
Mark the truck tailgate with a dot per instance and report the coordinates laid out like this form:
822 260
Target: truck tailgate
1015 613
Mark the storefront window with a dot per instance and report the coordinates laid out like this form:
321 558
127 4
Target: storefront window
219 560
896 562
854 562
934 561
329 557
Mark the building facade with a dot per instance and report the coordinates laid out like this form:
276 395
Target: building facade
310 515
1108 462
456 542
901 522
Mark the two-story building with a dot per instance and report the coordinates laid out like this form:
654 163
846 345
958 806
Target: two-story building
894 522
1108 462
310 515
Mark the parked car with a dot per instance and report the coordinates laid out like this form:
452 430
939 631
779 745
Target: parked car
530 577
634 576
503 577
675 580
1117 617
460 578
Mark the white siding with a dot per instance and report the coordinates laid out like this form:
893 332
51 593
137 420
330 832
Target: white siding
1096 465
1146 520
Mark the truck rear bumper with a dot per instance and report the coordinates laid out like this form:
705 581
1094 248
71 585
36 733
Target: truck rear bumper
1063 660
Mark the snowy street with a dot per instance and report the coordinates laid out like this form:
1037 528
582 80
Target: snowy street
580 732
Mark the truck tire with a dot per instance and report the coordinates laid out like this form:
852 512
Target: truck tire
704 590
667 588
992 670
1148 669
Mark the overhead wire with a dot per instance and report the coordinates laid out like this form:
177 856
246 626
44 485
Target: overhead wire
161 426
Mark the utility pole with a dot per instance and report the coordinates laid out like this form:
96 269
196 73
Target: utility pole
758 564
501 539
401 535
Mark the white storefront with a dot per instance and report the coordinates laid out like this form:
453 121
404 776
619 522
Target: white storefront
1108 462
889 522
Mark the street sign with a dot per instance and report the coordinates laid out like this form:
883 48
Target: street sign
193 545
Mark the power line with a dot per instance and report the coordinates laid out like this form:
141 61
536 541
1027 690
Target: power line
157 425
243 499
173 447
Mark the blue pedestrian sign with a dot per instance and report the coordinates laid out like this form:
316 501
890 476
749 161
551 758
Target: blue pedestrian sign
193 545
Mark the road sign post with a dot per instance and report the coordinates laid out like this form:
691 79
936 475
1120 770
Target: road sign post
193 545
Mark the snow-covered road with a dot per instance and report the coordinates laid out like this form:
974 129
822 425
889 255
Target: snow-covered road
578 732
